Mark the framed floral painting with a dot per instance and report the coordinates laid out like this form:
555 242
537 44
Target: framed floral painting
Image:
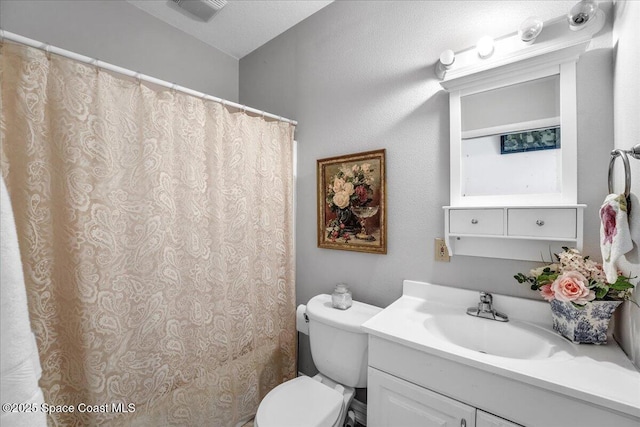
352 202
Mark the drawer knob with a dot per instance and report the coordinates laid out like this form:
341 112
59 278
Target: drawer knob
474 221
540 223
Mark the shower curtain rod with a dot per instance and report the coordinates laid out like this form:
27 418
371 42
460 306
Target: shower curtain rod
6 35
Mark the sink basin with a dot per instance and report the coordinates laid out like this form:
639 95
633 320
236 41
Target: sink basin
513 339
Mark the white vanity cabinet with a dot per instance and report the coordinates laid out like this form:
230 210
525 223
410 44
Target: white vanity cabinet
394 402
484 373
409 387
485 419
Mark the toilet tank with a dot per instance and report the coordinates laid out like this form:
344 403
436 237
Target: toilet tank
338 344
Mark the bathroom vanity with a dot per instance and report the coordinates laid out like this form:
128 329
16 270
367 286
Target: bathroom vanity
430 364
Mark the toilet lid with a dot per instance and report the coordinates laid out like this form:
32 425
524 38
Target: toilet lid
301 402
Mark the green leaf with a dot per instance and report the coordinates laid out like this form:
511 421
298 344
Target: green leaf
621 284
601 291
545 279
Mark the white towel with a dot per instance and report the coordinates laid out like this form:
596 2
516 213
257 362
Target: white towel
19 363
615 237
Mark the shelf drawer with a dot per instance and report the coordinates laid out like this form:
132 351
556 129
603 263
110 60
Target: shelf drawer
556 223
476 221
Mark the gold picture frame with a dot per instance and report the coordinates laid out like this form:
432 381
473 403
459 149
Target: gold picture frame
352 202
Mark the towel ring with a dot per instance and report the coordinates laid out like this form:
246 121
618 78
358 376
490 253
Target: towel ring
627 171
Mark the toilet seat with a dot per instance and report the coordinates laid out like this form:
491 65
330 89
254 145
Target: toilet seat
301 402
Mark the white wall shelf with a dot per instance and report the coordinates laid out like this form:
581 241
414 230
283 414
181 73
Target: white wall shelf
534 236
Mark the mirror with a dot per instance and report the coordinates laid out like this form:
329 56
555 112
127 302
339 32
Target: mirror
513 141
489 170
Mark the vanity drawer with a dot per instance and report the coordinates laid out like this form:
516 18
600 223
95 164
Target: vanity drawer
557 223
476 221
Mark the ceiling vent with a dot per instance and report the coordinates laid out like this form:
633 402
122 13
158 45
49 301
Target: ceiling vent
203 9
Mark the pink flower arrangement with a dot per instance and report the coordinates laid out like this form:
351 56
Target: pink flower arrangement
576 279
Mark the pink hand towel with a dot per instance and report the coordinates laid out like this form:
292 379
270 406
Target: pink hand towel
615 238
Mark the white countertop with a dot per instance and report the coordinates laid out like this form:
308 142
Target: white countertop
600 374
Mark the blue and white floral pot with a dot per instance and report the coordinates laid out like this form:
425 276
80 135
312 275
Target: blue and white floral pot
583 325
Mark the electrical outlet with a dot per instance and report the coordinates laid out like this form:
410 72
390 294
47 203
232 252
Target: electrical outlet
441 251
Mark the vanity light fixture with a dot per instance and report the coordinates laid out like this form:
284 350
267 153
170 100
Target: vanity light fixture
485 47
530 29
447 58
582 14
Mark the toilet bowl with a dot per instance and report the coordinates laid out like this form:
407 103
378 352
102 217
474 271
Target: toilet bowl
303 402
339 351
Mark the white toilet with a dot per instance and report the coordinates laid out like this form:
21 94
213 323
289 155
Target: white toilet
339 351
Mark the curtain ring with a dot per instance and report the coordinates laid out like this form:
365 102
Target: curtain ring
95 64
627 171
47 51
138 78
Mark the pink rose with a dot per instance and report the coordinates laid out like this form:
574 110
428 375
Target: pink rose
572 286
546 292
608 216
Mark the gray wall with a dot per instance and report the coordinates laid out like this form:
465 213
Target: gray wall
627 128
120 33
359 76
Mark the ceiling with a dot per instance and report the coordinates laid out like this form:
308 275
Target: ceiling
241 26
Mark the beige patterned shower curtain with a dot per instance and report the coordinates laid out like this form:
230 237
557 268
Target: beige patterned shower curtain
155 230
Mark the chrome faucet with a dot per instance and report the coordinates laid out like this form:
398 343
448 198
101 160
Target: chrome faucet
485 309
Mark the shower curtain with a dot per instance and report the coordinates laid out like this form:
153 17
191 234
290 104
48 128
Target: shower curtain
155 230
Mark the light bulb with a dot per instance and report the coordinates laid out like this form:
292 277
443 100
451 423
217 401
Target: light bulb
530 29
485 47
581 14
447 58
